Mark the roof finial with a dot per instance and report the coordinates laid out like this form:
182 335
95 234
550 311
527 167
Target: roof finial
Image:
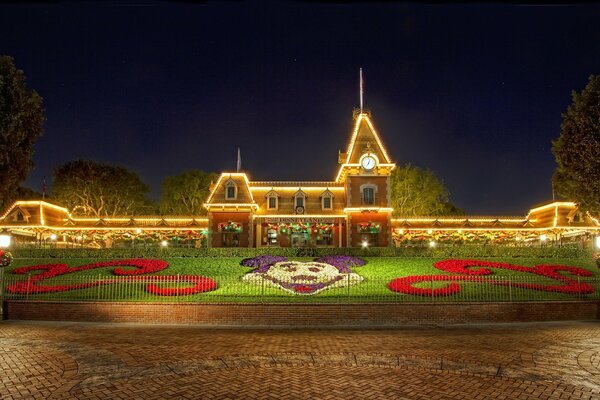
361 90
239 161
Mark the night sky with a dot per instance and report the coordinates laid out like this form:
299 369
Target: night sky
473 92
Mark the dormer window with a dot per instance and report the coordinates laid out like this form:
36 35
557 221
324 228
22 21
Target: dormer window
299 202
272 200
230 190
327 200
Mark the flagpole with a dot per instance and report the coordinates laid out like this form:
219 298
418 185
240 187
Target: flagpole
361 91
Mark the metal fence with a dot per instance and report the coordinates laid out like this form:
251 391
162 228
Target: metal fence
235 290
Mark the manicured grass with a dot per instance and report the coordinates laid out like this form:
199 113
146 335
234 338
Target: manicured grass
378 272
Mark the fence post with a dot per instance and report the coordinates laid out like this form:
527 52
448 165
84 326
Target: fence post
28 286
432 296
579 287
178 286
348 289
510 289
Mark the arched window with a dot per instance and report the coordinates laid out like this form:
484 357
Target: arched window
368 194
272 200
327 200
299 201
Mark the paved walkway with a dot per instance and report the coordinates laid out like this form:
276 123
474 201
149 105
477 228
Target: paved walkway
102 361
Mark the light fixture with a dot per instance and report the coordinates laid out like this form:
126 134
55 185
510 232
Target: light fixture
138 231
365 244
518 238
598 242
430 231
543 238
53 236
4 238
164 243
432 244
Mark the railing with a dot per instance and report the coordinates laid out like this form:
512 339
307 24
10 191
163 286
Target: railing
235 290
369 201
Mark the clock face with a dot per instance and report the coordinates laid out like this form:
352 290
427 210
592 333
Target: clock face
368 163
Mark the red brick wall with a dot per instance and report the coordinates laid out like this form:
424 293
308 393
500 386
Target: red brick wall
379 217
302 314
222 217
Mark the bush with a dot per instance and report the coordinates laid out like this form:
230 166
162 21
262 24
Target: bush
437 252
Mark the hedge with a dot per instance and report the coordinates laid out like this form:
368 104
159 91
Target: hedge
437 252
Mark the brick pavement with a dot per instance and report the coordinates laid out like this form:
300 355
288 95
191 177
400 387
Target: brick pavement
106 361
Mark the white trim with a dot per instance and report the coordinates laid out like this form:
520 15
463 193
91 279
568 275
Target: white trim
228 184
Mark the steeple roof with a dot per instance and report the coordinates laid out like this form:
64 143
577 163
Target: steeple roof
364 138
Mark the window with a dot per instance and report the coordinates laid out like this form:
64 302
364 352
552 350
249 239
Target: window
327 200
272 202
368 195
230 191
300 201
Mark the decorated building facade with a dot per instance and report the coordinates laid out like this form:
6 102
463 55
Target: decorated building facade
354 209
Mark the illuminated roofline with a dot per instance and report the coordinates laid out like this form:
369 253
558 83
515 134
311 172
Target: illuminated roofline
355 134
229 174
298 216
596 221
231 205
31 203
103 228
495 228
463 219
553 204
294 183
341 169
303 188
167 219
361 209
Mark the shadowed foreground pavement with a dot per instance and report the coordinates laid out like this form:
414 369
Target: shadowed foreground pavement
105 361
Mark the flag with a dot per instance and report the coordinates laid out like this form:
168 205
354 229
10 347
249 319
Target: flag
44 188
239 161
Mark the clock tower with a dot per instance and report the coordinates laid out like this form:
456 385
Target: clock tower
365 170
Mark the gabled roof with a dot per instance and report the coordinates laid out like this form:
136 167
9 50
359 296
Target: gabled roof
243 199
364 135
38 212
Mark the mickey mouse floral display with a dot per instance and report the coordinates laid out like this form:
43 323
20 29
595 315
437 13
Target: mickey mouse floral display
300 277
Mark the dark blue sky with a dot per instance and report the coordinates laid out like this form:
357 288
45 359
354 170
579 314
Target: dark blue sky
473 92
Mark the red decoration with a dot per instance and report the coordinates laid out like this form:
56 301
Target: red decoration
569 286
142 266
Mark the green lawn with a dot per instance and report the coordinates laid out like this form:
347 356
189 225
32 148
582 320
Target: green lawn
378 272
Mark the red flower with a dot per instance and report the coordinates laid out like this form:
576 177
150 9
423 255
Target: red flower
464 267
142 266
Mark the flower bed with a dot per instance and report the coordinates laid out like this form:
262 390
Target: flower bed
141 267
473 270
303 278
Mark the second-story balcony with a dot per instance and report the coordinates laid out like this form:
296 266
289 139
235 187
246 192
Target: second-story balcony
369 200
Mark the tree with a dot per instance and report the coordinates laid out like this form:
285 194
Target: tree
577 150
100 190
417 192
185 193
21 123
